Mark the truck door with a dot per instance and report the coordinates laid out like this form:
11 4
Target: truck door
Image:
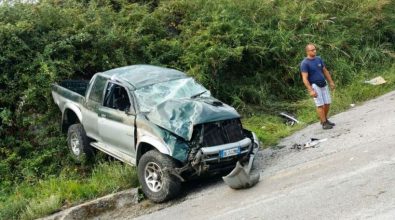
94 99
116 123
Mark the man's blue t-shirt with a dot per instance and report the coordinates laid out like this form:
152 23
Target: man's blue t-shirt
314 68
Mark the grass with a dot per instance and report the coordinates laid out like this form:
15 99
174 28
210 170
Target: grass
270 128
30 201
50 195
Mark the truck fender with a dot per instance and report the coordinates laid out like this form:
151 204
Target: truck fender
74 108
154 142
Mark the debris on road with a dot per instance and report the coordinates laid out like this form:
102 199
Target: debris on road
313 142
241 176
376 81
290 120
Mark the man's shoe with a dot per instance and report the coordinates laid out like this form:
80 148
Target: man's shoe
331 123
326 126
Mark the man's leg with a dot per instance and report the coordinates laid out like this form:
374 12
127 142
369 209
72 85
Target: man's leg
324 122
319 103
326 110
321 113
327 100
322 104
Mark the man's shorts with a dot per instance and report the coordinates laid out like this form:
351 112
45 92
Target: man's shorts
323 95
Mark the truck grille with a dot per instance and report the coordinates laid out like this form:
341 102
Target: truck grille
221 132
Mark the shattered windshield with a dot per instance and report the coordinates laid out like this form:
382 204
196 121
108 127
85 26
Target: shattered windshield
152 95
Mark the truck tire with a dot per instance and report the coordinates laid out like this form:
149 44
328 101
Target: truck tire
78 144
157 183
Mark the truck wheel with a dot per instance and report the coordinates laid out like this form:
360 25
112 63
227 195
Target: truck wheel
157 183
78 144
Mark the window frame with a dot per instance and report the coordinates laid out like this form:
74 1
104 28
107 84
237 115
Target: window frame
131 102
94 82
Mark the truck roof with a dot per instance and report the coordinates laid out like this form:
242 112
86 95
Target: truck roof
143 75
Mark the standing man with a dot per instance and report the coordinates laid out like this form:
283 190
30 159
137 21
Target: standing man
314 73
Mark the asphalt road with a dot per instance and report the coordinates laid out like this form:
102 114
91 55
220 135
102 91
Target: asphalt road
349 176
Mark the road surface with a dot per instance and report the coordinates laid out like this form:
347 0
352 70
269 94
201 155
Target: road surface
349 176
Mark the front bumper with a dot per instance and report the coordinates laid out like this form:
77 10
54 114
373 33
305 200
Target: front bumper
212 159
211 154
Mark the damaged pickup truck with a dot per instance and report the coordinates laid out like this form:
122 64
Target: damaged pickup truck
155 118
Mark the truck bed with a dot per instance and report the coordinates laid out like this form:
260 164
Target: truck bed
69 90
78 86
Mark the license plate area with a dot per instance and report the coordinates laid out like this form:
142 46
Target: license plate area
229 152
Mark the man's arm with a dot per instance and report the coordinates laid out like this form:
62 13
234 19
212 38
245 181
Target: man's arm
329 78
306 83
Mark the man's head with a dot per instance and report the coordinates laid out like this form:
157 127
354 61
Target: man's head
311 51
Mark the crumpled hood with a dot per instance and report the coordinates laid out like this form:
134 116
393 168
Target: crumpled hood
180 115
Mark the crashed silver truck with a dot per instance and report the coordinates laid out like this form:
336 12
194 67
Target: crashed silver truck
155 118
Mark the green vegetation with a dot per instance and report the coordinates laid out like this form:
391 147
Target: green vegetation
246 52
73 185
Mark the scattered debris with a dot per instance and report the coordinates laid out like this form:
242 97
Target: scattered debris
376 81
313 142
352 105
290 120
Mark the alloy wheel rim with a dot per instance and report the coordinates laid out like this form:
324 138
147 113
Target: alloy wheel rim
75 144
153 176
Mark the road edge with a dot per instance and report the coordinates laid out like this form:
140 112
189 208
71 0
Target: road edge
97 206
